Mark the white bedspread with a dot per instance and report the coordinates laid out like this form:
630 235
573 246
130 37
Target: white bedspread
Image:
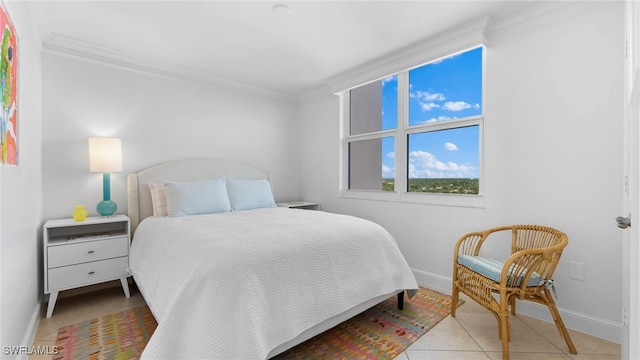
236 285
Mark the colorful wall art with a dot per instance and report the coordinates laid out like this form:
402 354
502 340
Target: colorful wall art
8 91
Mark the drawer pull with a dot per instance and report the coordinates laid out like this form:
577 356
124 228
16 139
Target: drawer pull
91 272
90 252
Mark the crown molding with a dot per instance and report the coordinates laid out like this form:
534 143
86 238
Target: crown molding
63 45
315 93
486 30
445 43
513 25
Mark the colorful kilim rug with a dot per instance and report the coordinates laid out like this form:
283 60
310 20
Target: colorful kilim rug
119 336
381 332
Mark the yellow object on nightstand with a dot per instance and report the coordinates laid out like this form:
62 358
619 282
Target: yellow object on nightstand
80 213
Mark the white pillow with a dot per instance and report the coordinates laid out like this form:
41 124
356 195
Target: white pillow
158 199
250 194
196 197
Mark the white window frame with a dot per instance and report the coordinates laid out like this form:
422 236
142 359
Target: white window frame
400 134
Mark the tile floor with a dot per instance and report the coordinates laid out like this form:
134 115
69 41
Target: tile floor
472 334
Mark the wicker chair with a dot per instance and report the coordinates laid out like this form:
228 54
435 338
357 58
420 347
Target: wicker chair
525 275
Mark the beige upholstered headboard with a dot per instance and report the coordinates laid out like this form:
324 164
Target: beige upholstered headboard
139 196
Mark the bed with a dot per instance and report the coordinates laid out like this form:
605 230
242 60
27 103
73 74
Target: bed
247 279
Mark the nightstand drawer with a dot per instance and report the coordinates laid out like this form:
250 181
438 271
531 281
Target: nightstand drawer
81 253
89 273
77 253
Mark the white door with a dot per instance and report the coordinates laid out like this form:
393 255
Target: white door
631 203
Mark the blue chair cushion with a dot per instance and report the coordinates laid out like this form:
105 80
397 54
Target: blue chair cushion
492 269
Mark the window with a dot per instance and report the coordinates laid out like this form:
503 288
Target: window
417 132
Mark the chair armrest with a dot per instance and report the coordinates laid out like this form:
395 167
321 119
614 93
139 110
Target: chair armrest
520 267
470 243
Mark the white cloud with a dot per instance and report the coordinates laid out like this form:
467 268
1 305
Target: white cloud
450 146
429 106
423 164
438 61
434 119
389 78
439 118
426 99
388 172
427 96
456 105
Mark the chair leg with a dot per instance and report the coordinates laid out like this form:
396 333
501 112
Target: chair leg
505 323
512 304
454 299
495 314
455 292
505 334
548 299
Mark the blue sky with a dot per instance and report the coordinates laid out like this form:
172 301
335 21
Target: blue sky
447 89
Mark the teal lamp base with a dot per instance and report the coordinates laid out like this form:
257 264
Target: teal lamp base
107 208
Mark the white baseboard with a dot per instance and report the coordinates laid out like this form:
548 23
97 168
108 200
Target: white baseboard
30 334
433 281
584 323
604 329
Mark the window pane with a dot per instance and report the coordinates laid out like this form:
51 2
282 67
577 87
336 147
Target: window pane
371 164
447 89
374 106
444 161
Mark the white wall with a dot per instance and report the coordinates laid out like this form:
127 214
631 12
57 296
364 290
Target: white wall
553 148
159 119
21 188
553 135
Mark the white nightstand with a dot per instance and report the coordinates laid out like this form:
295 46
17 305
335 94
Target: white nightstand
85 253
306 205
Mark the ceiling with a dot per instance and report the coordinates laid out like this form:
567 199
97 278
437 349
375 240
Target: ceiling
247 42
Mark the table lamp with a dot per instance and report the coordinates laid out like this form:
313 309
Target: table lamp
105 156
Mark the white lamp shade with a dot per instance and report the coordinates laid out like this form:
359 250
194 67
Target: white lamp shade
105 155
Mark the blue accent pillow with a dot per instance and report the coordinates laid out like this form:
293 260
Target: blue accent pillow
492 269
250 194
197 197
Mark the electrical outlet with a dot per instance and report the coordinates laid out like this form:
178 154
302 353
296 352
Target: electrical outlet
576 270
